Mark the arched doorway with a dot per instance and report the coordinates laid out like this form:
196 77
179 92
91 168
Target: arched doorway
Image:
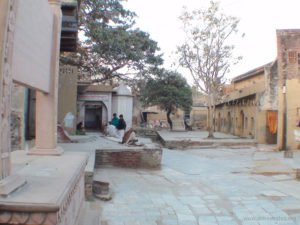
241 123
219 122
229 122
252 127
95 116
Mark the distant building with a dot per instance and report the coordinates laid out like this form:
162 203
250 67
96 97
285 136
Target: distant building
198 114
248 102
97 103
153 116
264 103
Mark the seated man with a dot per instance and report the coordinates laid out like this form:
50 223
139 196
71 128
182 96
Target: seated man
121 127
115 120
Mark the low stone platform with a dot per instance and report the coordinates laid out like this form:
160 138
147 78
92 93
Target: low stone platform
147 156
198 139
53 193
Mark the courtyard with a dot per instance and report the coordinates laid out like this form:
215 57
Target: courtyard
236 185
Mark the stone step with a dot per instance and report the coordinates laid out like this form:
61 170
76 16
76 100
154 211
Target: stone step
101 190
89 214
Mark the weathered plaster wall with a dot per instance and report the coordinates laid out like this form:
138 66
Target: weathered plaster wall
293 111
67 96
269 100
198 117
249 81
229 117
288 50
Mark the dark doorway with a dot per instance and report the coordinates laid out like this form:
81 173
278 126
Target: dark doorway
241 123
219 122
29 114
93 117
272 123
228 122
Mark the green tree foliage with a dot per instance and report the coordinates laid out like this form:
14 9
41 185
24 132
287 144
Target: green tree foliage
207 52
168 90
112 47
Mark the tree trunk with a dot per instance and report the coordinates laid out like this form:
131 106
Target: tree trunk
169 119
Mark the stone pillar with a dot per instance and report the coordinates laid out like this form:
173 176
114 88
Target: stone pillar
47 103
5 87
8 10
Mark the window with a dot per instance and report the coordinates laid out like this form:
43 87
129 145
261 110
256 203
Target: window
292 56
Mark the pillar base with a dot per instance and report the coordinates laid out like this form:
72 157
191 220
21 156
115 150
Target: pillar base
46 151
10 184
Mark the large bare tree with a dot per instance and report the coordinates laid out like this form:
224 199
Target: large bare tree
208 51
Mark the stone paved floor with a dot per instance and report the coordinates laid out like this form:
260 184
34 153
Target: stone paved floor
205 187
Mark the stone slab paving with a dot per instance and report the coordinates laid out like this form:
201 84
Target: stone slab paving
225 186
203 187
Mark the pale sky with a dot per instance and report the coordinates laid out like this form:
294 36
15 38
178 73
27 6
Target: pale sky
259 20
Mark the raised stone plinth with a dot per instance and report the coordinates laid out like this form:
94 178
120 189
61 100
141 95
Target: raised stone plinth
53 194
178 125
148 156
89 177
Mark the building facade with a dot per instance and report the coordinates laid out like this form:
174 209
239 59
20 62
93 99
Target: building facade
263 103
97 103
247 104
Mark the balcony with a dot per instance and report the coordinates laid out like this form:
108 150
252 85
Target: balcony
69 29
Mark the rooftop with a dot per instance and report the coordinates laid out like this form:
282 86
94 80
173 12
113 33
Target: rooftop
251 73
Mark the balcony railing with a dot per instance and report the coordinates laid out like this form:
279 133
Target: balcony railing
69 24
69 29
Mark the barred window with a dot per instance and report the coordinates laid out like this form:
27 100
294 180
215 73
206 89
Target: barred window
293 57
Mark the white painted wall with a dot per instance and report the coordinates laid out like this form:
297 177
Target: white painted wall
122 103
